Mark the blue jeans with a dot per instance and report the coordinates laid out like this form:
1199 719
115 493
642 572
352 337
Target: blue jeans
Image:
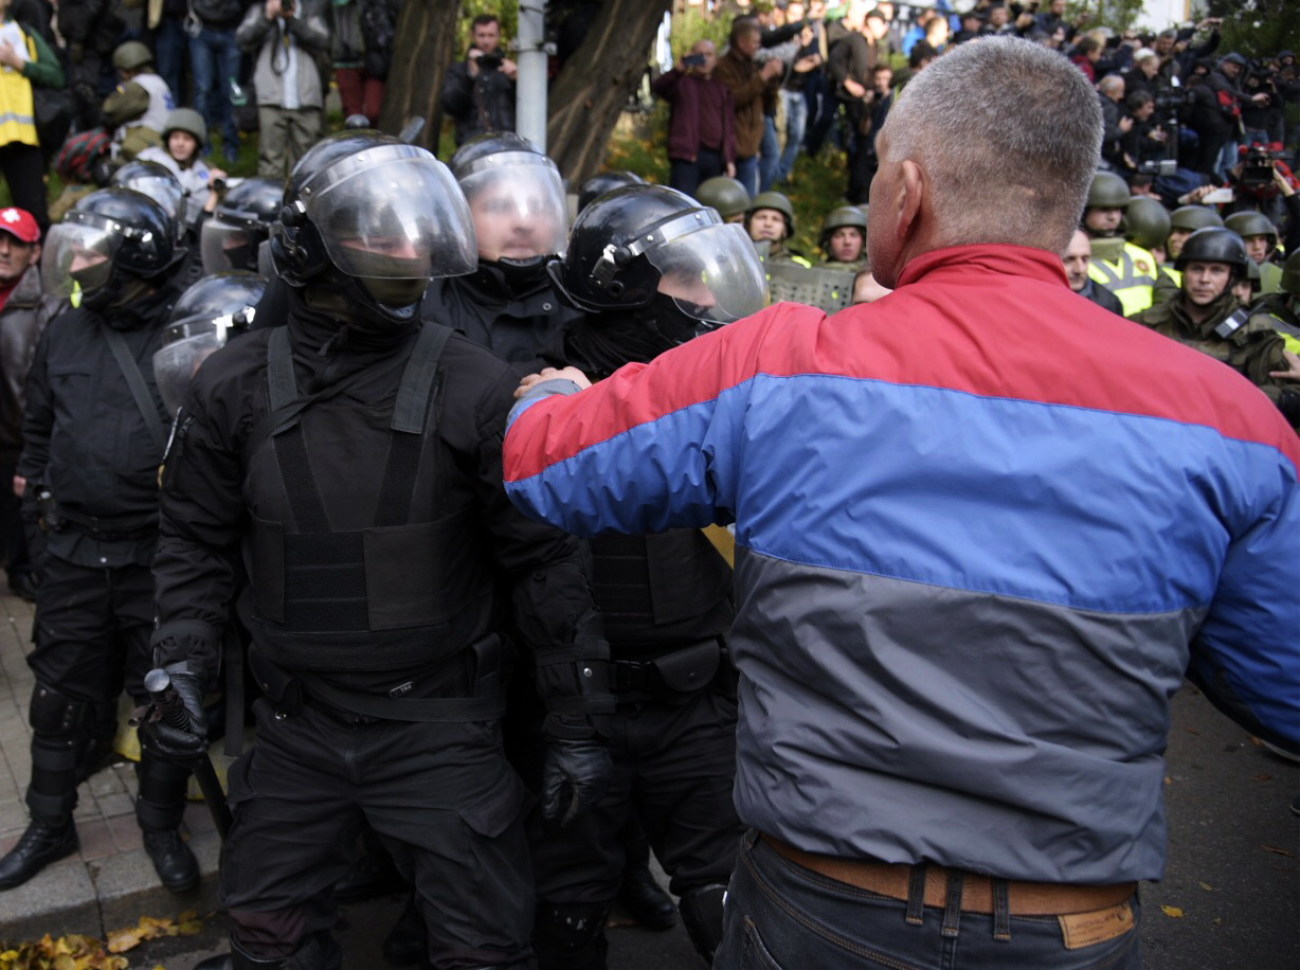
747 174
214 56
170 45
780 916
769 154
796 122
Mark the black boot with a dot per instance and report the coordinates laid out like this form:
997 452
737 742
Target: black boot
644 899
172 859
45 841
407 943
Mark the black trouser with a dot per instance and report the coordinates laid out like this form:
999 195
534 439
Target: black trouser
443 799
92 637
673 767
24 169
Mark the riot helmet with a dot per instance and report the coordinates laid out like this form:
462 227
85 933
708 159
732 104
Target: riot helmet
775 201
159 183
516 198
109 238
242 221
727 195
603 182
648 244
375 218
1148 222
205 317
1214 245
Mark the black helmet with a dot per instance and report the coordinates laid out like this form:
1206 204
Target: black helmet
377 219
641 241
517 200
109 236
159 183
204 318
1214 245
241 222
1148 222
598 185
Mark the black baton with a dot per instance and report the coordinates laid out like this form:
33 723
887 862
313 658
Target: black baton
159 685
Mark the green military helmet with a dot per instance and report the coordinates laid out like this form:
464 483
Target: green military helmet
187 120
1246 224
1291 274
1214 245
840 218
1148 222
131 56
1108 191
726 195
1192 217
773 200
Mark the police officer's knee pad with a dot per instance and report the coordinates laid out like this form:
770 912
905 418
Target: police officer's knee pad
52 713
574 932
701 911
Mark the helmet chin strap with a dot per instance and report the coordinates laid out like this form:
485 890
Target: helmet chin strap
522 272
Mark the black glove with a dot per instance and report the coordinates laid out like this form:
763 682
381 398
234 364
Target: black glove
575 775
177 733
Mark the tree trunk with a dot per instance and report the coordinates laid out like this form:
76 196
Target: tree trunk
588 96
426 35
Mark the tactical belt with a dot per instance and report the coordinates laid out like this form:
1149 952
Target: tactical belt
368 708
684 670
979 893
109 528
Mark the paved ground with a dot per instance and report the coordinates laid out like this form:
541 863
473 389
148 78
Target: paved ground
1230 899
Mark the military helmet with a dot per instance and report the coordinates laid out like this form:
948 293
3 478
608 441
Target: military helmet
1214 245
131 56
1148 222
1192 217
1251 224
842 217
727 195
187 120
1290 281
1108 191
603 182
1252 272
773 200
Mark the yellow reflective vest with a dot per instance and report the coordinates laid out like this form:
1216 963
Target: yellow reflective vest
1130 277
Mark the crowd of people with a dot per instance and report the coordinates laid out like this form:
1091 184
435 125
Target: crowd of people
551 542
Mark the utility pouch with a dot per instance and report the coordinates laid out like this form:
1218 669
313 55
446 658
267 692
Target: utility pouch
282 689
488 675
50 520
690 669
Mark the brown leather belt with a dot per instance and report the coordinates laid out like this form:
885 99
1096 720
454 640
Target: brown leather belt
1024 898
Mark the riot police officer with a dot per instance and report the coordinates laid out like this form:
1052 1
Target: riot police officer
516 198
94 432
650 268
603 182
232 239
1207 316
353 454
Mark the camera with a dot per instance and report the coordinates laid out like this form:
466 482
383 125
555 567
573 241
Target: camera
489 62
1170 100
1159 167
1257 166
694 60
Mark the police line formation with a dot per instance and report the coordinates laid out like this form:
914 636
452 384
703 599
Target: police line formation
909 707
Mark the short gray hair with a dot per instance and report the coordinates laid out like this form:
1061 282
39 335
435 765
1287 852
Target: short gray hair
1009 134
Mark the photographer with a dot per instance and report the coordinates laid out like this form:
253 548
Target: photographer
702 123
479 92
287 36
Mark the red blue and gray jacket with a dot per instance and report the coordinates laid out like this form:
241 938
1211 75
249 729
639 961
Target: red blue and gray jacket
983 529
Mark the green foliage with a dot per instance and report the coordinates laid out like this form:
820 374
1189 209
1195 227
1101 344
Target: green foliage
505 11
1118 15
1258 28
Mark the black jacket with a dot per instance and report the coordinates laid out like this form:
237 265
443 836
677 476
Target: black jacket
478 104
222 493
84 437
514 322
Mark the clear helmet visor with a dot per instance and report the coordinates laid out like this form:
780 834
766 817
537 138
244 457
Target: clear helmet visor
394 218
175 363
224 246
712 273
518 204
166 192
77 257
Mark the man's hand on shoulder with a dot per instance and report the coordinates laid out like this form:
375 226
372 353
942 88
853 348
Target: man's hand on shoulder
552 374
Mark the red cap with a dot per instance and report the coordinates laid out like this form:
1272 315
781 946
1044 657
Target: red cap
20 224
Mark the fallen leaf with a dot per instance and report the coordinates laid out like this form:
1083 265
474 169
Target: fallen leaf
1277 850
1264 776
1207 887
1172 911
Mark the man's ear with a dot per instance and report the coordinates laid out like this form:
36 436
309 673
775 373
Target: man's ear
912 187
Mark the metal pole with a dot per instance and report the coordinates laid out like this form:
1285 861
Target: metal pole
530 87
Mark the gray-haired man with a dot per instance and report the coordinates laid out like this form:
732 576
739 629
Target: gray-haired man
958 630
